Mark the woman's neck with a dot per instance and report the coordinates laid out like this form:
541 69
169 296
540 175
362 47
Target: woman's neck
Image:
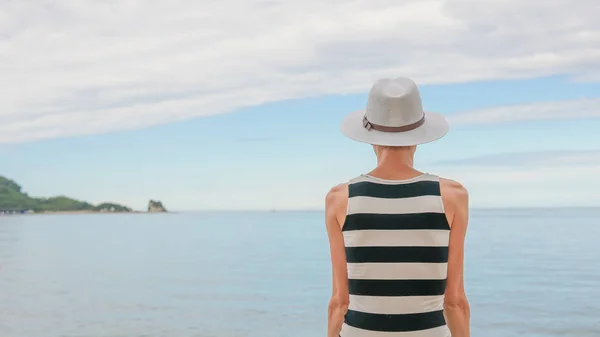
395 159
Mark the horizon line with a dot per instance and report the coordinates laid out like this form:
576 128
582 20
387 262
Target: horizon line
322 209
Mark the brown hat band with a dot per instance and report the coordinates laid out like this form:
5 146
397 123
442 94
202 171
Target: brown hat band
368 125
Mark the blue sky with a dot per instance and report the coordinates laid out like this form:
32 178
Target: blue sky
204 115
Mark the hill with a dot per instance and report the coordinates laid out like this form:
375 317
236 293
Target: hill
14 200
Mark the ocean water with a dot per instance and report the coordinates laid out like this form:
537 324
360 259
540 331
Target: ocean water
528 273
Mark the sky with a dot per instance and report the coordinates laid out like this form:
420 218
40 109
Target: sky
236 105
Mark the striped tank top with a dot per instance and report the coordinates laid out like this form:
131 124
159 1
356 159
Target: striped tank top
396 238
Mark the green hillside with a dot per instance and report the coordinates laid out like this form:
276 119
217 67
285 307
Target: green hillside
13 199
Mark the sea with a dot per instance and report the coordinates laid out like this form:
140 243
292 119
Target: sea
528 272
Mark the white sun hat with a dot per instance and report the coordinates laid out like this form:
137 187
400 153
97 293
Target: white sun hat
394 117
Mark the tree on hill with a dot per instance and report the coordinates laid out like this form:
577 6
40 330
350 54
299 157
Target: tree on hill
13 199
9 184
110 207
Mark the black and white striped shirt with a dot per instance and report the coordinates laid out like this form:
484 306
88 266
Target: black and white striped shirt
396 237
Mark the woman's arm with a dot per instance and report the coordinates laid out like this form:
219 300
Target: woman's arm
335 212
456 305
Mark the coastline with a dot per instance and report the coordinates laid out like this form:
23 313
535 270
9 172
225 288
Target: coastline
13 201
78 213
82 212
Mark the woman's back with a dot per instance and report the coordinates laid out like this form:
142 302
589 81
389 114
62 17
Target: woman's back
396 241
397 246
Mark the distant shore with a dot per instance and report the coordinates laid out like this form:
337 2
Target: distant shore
78 213
14 201
85 212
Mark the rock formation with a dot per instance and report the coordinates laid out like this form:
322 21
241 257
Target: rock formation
156 207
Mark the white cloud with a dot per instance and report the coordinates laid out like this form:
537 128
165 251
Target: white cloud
571 109
591 76
538 158
540 186
489 187
528 179
79 67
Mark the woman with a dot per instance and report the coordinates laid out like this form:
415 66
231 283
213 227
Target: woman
396 234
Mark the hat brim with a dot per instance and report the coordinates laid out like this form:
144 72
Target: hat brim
434 128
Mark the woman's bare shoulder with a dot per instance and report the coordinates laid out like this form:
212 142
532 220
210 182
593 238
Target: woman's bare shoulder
455 199
453 189
336 203
336 195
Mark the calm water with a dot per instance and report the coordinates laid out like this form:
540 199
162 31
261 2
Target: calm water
528 273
